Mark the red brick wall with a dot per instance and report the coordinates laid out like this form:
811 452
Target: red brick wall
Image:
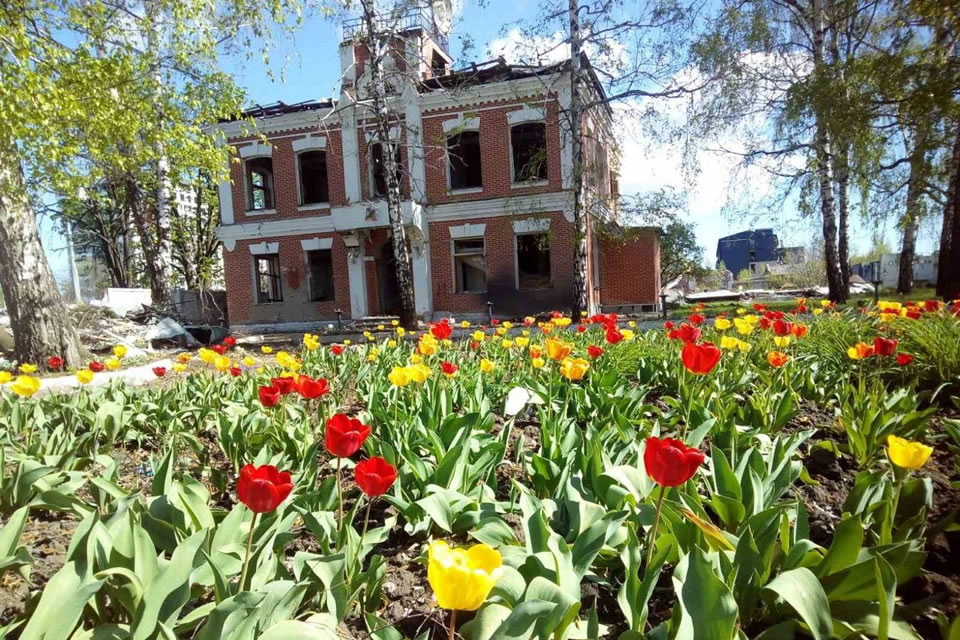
285 177
630 271
296 307
494 154
501 269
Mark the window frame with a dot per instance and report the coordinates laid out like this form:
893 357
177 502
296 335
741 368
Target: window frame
530 182
457 284
516 259
449 162
372 181
322 204
333 280
277 278
249 187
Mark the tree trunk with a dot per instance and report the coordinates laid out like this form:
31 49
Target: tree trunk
824 172
159 285
581 294
38 317
948 278
841 158
160 259
378 47
911 216
950 239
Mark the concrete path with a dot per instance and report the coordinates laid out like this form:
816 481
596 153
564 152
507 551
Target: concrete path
140 375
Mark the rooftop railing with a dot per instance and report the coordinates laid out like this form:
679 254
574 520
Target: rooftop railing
399 22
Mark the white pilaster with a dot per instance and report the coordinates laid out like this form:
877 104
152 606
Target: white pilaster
351 149
357 275
415 153
225 188
422 284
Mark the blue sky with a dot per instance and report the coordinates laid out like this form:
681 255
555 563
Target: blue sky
306 66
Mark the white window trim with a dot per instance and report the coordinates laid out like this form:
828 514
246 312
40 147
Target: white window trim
468 230
316 244
264 248
527 114
516 255
256 150
526 183
461 124
313 205
446 157
531 225
453 255
310 143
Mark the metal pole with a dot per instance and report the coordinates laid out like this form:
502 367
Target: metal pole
876 291
339 321
490 311
663 305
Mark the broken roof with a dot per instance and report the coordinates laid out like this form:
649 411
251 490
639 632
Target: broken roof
280 108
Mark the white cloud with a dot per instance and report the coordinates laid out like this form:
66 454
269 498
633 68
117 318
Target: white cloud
517 47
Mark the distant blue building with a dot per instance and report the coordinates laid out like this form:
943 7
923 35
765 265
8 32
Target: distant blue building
747 249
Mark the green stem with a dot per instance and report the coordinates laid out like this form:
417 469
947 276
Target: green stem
246 557
453 624
366 522
339 495
651 544
886 536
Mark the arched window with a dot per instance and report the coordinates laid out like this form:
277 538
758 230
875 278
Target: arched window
314 187
259 184
529 144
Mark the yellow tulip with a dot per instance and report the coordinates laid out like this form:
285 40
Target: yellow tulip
744 326
249 361
526 333
729 342
562 322
558 349
507 343
380 327
28 368
487 366
501 331
465 324
463 578
744 346
888 306
632 324
415 359
824 303
112 363
5 377
207 355
537 363
574 368
394 322
119 351
522 342
478 336
84 376
346 343
722 324
508 325
860 351
817 311
222 363
906 454
265 349
179 367
627 334
391 343
398 377
401 331
741 311
528 320
26 386
418 372
781 341
312 343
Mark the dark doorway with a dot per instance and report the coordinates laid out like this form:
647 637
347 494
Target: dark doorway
387 275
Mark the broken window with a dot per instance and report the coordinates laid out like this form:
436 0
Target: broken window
259 184
470 265
438 64
378 169
313 177
320 274
463 150
268 278
533 261
529 142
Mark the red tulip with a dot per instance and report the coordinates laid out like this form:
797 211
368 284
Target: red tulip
236 371
375 476
765 323
345 435
269 396
884 346
220 348
230 341
284 384
782 328
262 489
696 319
700 358
581 328
159 371
55 362
668 325
594 351
441 330
688 333
95 366
759 307
799 330
670 462
903 359
914 313
336 349
310 388
474 344
613 335
449 368
932 305
494 322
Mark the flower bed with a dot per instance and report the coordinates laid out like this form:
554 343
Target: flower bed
772 474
